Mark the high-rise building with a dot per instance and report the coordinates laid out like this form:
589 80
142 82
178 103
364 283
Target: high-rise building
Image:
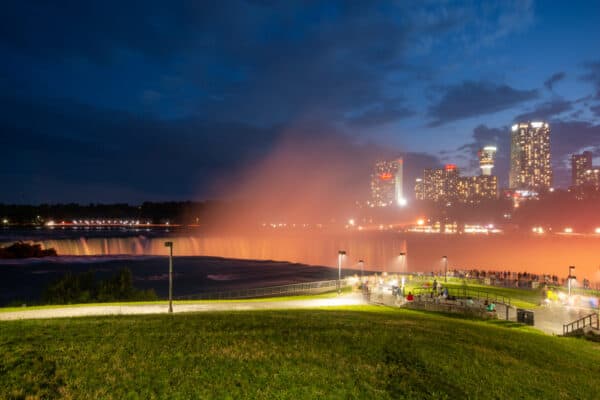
386 184
591 178
580 164
486 159
475 189
438 184
530 167
419 189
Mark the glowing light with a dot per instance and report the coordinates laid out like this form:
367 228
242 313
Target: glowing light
5 221
515 127
386 176
538 230
597 231
537 124
568 230
402 202
50 223
450 167
420 222
351 222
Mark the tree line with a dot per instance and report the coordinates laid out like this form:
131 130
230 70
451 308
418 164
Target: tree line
86 288
177 212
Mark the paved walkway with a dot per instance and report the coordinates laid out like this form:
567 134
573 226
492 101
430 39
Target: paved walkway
549 319
84 311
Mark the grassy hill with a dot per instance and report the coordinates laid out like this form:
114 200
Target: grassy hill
357 352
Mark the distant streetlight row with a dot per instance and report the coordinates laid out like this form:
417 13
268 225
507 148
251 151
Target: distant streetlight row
341 255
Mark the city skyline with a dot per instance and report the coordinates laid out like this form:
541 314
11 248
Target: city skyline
160 104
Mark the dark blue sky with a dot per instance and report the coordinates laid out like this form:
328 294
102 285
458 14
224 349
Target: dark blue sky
132 101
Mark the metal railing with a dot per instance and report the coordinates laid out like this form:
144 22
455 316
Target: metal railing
269 291
588 320
472 293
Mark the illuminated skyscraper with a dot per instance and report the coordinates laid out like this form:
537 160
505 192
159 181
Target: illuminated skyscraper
475 189
486 159
419 189
580 164
386 184
438 184
530 167
591 178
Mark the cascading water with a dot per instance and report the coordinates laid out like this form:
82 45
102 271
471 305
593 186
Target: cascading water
379 250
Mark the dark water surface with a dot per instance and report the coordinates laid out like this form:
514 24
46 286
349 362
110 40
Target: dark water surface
24 280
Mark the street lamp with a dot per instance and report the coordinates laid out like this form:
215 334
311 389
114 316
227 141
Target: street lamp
341 254
445 268
362 264
170 246
571 276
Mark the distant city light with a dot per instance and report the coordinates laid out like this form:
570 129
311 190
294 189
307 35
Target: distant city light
351 222
568 230
538 230
5 221
420 222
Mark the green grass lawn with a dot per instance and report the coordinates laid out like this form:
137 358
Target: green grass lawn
354 352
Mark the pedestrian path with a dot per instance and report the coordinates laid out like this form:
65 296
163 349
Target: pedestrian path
87 311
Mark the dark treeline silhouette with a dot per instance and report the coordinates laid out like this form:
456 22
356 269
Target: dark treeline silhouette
560 208
85 288
25 250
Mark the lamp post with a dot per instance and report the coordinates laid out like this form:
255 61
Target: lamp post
571 276
170 246
341 254
362 264
445 258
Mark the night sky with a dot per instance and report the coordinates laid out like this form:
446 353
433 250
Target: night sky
132 101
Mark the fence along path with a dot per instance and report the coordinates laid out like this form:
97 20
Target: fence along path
423 300
269 291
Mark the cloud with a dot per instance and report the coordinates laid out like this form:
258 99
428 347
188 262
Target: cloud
546 111
470 99
74 152
554 79
380 114
272 62
592 75
86 149
596 110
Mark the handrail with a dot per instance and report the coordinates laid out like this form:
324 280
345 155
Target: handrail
581 323
295 288
466 292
